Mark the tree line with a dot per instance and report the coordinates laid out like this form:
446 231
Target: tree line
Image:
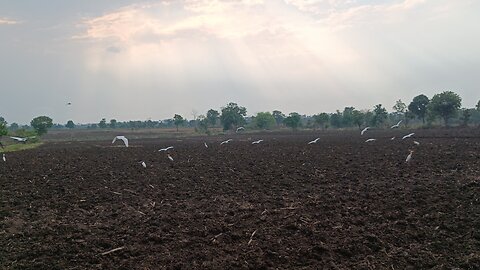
445 108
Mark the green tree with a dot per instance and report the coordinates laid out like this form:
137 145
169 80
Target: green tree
102 123
70 124
203 123
399 107
465 117
380 115
113 123
336 119
293 120
178 120
446 105
408 116
3 127
212 117
279 116
418 106
358 118
321 119
264 120
13 126
41 124
347 116
233 116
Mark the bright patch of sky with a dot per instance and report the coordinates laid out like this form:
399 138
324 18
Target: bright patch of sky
149 60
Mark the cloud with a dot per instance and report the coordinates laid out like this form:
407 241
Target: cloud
7 21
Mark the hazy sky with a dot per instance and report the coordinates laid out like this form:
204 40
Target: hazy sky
133 60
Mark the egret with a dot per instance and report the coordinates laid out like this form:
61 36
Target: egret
408 136
123 138
19 139
240 128
397 125
409 157
370 140
227 141
314 141
165 149
143 164
257 142
364 130
4 158
169 157
393 138
416 143
206 145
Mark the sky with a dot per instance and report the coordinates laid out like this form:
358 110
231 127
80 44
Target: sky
139 60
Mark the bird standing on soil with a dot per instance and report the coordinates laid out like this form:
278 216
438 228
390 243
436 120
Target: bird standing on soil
416 143
4 158
165 149
169 157
397 125
408 136
123 138
409 157
393 138
143 164
206 145
370 140
364 130
227 141
314 141
257 142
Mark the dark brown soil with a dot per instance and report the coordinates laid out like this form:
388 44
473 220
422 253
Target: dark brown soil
339 204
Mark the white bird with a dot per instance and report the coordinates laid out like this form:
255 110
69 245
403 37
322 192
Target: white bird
397 125
4 158
314 141
240 128
393 138
409 157
19 139
169 157
165 149
364 130
257 142
408 136
227 141
123 138
143 164
370 140
416 143
206 145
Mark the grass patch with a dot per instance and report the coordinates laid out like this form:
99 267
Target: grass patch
20 147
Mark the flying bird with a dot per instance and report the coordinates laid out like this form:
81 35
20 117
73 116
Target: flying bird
206 145
408 136
364 130
314 141
257 142
409 157
397 125
169 157
227 141
370 140
165 149
20 139
69 103
123 138
4 158
240 128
